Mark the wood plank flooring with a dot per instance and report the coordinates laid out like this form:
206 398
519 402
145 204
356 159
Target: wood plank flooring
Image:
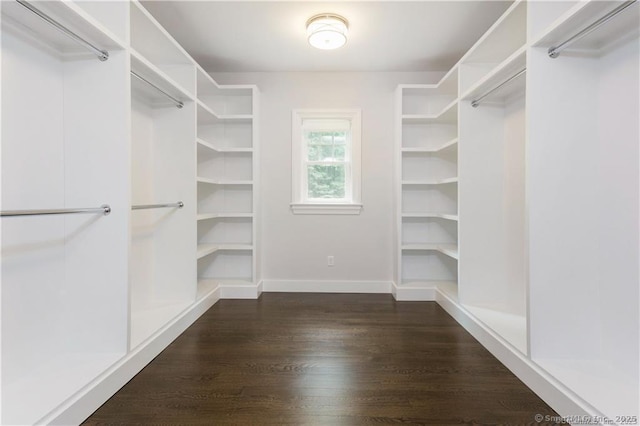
323 359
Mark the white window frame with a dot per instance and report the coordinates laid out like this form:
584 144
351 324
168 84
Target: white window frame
299 202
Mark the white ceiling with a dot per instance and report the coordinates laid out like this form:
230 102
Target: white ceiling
270 35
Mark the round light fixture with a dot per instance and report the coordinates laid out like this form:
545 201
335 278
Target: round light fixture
327 31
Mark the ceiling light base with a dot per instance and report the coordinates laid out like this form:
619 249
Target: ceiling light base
327 31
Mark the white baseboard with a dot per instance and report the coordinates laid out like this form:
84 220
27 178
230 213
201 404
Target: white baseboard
80 406
77 408
240 291
557 396
327 286
413 294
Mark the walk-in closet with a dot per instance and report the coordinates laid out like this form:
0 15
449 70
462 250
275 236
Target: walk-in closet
182 180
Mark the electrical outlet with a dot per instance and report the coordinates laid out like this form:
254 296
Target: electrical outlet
330 261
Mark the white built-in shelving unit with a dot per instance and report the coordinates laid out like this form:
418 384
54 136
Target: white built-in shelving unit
546 149
162 171
582 166
427 191
517 208
492 173
64 277
227 187
89 299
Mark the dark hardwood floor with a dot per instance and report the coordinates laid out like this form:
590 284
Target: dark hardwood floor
323 359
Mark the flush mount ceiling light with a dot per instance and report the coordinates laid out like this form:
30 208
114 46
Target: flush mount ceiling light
327 31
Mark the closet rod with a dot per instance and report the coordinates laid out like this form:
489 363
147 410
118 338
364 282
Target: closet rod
554 51
104 209
103 55
179 205
179 104
476 102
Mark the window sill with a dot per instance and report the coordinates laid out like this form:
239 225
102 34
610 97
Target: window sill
298 208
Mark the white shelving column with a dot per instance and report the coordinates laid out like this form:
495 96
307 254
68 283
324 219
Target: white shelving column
427 176
493 231
227 188
87 300
64 146
584 194
549 194
162 166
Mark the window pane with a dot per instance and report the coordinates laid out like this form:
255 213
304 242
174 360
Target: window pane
326 181
327 137
314 152
340 138
314 137
327 153
338 152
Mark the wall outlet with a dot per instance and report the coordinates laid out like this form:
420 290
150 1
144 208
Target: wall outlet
330 261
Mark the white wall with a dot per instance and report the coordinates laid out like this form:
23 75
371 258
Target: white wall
295 247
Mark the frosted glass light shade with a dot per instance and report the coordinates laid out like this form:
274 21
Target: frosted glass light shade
327 31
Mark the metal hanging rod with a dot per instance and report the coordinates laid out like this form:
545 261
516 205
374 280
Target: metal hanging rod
104 209
179 103
554 51
476 102
179 205
103 55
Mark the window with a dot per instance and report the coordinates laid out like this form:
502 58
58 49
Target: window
326 162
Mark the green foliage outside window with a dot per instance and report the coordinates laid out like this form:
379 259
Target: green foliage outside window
326 180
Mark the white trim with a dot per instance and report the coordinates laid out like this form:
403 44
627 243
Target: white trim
230 291
77 408
325 208
298 175
81 405
560 398
405 293
327 286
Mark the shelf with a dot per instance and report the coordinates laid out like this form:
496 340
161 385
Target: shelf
206 116
435 182
419 246
511 327
449 144
504 37
212 147
421 283
498 75
429 99
626 24
17 18
109 17
28 399
222 182
450 250
151 41
207 86
207 249
447 86
449 115
207 216
453 217
224 99
153 74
